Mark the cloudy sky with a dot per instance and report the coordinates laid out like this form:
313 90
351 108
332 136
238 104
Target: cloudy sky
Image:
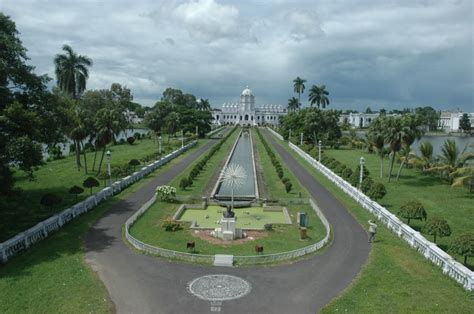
390 54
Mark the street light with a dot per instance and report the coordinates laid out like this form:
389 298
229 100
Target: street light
319 150
182 139
159 142
361 177
301 139
109 159
197 132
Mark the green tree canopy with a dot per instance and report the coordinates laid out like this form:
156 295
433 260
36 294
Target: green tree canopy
437 226
463 245
413 210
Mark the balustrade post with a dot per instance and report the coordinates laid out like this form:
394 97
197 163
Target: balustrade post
3 254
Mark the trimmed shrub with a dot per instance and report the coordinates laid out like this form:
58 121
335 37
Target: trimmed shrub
437 226
50 200
284 180
133 163
377 191
367 183
130 140
121 141
463 245
169 224
183 184
90 183
76 190
288 186
346 173
413 210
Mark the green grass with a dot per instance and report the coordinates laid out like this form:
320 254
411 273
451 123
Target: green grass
395 279
248 217
282 238
52 275
200 183
453 204
23 210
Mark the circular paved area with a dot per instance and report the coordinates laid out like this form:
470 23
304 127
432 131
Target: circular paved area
143 284
219 287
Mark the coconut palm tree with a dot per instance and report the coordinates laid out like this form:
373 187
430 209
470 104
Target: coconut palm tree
377 139
172 123
72 71
298 85
393 134
293 104
318 95
411 131
234 176
453 165
203 104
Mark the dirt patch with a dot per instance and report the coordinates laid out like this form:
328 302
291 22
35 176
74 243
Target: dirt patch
206 236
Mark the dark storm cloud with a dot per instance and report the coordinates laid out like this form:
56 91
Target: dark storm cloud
367 53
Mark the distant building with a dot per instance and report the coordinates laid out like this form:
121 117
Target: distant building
358 120
246 114
132 117
449 121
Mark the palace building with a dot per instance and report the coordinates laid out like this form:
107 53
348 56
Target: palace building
245 113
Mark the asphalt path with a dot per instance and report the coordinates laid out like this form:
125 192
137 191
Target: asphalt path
139 283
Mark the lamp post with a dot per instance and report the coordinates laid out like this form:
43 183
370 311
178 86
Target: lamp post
159 143
301 139
361 177
182 139
319 150
197 132
109 159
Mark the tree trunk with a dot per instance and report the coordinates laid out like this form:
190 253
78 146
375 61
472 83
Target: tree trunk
101 159
408 221
78 154
381 165
85 158
465 259
392 159
400 169
434 238
95 157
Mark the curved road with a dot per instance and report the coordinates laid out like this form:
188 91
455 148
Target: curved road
143 284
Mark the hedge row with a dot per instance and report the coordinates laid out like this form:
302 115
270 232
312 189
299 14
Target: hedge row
279 169
188 181
370 188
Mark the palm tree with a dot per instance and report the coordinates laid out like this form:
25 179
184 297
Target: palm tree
72 71
393 136
293 104
377 139
172 123
318 96
426 150
203 104
454 165
411 132
298 85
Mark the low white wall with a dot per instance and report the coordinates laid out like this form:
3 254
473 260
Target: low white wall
429 250
278 135
40 231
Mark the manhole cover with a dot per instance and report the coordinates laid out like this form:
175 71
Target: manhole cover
219 287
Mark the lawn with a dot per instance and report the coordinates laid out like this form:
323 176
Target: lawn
52 275
282 238
247 218
23 210
456 205
396 278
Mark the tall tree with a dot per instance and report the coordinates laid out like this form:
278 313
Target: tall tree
411 131
319 95
377 139
393 136
72 71
298 87
293 104
203 104
465 123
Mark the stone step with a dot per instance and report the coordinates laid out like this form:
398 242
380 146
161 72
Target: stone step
224 260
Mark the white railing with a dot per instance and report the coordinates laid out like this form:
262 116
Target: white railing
428 249
150 249
217 130
271 258
201 258
41 230
278 135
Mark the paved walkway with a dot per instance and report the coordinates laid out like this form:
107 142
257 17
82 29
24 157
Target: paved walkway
143 284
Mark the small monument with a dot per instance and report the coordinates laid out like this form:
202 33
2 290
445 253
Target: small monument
227 230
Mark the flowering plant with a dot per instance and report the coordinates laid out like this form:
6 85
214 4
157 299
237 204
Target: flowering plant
166 193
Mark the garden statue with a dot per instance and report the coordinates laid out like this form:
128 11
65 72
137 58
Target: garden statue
229 213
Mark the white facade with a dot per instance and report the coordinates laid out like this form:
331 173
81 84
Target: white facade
449 121
244 113
358 120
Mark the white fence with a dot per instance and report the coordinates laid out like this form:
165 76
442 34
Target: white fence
429 250
271 258
40 231
201 258
217 130
278 135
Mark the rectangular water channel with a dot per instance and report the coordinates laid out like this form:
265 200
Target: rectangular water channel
243 156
